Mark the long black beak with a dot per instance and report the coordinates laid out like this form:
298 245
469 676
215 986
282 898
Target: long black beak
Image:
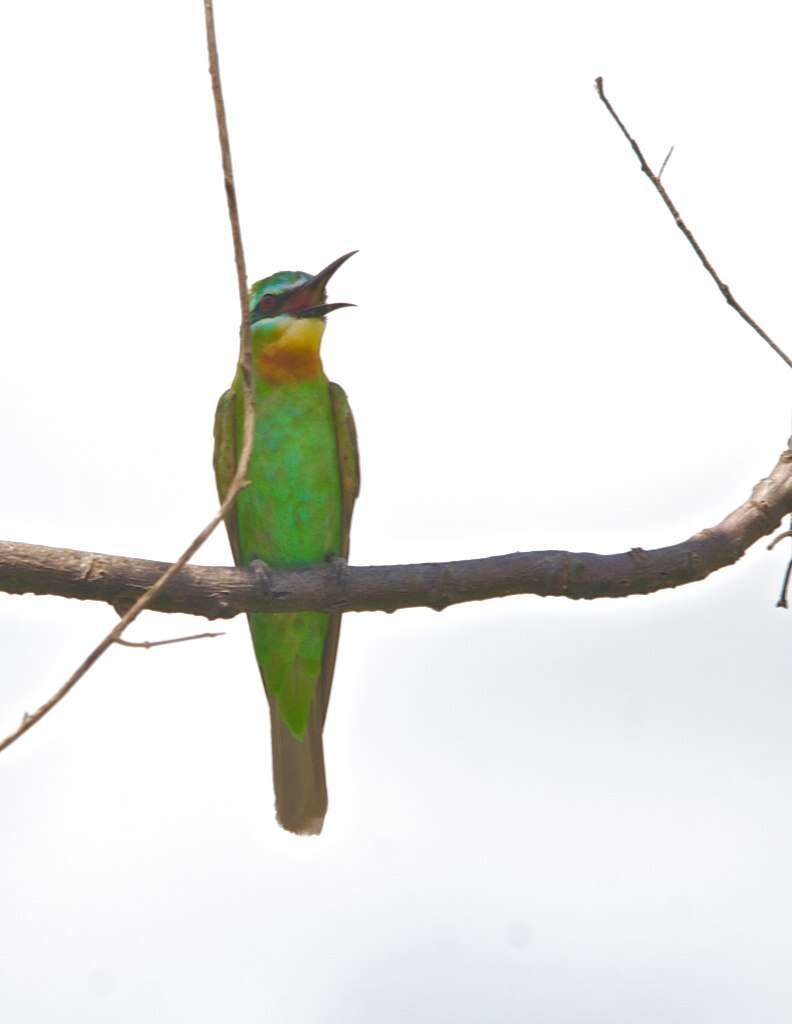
315 289
305 301
320 280
317 311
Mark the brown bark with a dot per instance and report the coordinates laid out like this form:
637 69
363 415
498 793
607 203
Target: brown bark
217 592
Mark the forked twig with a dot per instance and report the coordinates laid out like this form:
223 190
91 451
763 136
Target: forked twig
664 163
238 482
655 180
146 645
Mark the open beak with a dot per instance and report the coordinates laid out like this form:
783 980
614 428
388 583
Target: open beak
307 301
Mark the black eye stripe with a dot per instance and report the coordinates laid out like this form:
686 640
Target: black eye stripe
266 304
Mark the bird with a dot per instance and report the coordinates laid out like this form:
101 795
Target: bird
304 478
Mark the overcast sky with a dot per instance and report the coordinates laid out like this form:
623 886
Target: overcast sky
539 810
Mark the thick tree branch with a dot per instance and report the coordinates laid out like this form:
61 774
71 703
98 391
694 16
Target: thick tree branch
131 585
224 592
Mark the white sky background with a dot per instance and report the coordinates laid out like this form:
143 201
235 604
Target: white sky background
569 813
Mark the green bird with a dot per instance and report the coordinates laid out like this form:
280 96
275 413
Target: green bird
296 510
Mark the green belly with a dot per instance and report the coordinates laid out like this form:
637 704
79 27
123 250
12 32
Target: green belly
290 515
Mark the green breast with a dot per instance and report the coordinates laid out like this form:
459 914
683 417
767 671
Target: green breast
290 514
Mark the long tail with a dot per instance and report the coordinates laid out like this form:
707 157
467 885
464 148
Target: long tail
298 770
298 774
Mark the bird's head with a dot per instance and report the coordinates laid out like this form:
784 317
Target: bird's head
287 318
292 295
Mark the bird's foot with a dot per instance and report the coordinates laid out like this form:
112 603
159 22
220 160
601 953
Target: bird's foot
261 571
339 564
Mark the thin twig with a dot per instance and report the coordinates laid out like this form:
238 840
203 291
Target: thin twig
782 601
655 180
244 456
780 537
146 645
663 164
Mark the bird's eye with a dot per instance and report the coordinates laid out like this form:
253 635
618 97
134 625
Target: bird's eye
265 304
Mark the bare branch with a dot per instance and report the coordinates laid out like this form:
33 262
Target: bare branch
225 592
146 645
655 180
158 585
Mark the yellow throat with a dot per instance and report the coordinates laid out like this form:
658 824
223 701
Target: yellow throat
293 355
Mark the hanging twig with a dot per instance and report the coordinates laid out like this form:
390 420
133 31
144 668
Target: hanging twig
238 482
782 600
655 180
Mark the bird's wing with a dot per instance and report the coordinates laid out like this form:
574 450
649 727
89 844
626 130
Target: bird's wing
349 470
225 461
348 459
